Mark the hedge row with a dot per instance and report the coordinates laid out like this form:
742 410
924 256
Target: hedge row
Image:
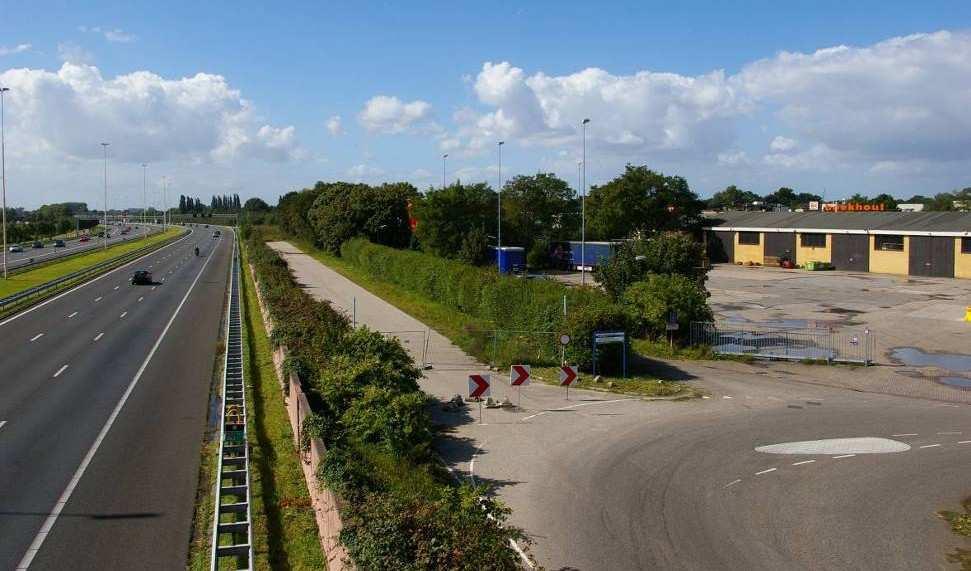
499 302
400 509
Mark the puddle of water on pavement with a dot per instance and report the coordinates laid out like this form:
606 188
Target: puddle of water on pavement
914 357
959 382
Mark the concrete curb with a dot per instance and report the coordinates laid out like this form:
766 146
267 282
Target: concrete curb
324 501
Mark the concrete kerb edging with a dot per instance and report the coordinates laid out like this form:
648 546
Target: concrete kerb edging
324 501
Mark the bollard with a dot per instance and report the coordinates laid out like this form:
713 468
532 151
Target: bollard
967 313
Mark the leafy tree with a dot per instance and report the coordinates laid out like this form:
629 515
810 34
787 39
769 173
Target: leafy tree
475 247
446 215
256 204
671 253
651 301
888 202
858 198
732 197
343 211
293 211
785 196
641 202
538 207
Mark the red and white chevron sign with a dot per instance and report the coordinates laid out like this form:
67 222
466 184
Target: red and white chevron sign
519 375
479 385
568 374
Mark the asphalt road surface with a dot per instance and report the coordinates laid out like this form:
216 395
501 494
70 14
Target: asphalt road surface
103 407
74 246
605 482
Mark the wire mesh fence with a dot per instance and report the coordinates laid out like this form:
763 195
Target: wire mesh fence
792 344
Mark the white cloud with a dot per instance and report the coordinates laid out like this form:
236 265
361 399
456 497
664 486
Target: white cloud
782 144
115 35
386 114
363 171
906 97
72 53
146 117
334 126
733 158
17 49
817 157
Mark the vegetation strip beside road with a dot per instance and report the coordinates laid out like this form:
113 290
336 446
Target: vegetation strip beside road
284 527
32 278
961 525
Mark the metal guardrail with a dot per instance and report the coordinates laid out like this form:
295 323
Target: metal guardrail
232 535
792 344
15 268
47 287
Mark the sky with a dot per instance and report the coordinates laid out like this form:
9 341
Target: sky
260 99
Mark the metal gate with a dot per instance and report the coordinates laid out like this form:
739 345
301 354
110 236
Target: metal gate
931 256
851 252
789 344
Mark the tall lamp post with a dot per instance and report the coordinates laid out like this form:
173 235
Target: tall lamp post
3 177
164 201
144 193
499 195
583 208
445 156
105 147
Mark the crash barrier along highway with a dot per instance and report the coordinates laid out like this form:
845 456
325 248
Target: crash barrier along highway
43 290
232 533
817 344
96 244
323 500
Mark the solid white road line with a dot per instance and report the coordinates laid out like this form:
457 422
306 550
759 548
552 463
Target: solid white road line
99 335
732 483
97 299
843 456
766 471
59 371
116 287
964 441
2 422
123 314
930 446
72 315
727 397
69 490
36 337
803 462
949 433
906 434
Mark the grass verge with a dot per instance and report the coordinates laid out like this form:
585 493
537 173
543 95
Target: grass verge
459 328
285 532
961 525
19 282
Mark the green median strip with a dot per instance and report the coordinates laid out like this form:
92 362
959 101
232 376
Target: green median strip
32 278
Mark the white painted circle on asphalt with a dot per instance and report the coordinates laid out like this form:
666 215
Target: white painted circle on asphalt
865 445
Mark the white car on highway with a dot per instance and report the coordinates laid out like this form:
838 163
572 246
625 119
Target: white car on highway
16 248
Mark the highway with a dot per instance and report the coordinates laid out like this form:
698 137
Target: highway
74 246
103 407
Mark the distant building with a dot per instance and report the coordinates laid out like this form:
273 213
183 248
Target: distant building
904 243
915 207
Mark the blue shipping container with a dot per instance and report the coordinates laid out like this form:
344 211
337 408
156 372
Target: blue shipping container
568 254
511 259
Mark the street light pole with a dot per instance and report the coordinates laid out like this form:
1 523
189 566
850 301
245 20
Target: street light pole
105 147
144 193
499 229
164 202
583 209
445 156
3 177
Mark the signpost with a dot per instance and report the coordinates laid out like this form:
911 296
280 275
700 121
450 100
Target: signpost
564 341
519 377
479 386
568 374
671 326
606 337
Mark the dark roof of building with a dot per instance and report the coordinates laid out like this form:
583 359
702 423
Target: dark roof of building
884 221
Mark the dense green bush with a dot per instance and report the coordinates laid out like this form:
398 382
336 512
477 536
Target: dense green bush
500 302
400 510
650 302
666 253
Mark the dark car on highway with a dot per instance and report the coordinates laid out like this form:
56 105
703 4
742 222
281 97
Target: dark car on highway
59 243
141 277
38 244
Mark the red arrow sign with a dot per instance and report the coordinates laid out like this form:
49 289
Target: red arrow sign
568 374
478 386
519 375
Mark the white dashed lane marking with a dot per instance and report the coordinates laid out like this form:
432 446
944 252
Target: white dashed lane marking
99 335
36 337
930 446
2 422
123 314
116 287
905 434
72 315
97 299
953 432
59 371
843 456
964 441
141 298
803 462
732 483
766 471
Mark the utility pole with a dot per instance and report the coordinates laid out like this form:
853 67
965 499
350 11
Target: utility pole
583 210
164 202
144 194
445 156
105 147
3 176
499 229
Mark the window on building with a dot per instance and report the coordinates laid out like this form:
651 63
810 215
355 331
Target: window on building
748 238
888 242
812 240
966 245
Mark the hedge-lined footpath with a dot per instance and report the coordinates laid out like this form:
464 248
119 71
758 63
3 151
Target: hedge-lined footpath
400 509
506 303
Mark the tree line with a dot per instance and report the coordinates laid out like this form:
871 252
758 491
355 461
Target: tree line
218 203
734 198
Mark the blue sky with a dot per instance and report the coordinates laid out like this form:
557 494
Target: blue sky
696 89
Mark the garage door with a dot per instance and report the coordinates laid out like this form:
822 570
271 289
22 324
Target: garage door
851 252
779 245
931 256
721 247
